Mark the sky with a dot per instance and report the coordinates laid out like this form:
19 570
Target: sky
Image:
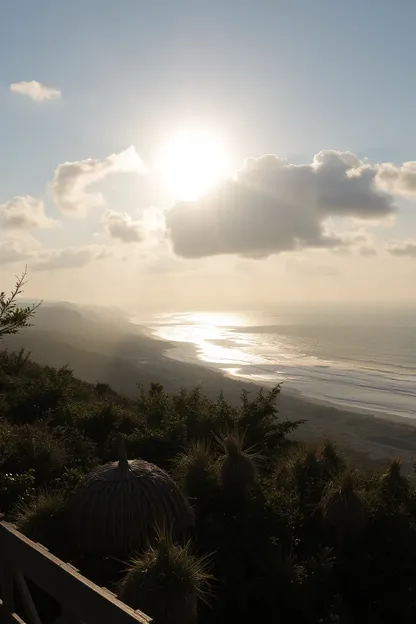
187 154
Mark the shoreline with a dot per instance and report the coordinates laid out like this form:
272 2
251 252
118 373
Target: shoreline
127 354
296 393
369 438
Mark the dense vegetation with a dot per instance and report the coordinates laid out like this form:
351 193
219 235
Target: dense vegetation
221 518
292 533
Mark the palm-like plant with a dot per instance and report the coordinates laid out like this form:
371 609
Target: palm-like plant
116 508
301 471
166 582
342 508
195 468
392 482
330 459
238 464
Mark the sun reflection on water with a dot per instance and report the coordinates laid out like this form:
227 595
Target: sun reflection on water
213 335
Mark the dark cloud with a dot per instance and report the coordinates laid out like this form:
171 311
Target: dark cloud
274 206
402 248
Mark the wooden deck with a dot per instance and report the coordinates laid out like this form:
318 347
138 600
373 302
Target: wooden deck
81 601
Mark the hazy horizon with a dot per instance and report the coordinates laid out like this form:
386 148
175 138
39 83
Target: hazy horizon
258 156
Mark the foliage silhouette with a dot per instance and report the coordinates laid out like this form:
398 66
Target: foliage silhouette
13 318
294 532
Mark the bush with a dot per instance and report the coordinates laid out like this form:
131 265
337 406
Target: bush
45 520
297 534
30 399
16 489
34 447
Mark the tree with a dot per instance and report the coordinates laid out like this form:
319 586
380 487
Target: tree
13 318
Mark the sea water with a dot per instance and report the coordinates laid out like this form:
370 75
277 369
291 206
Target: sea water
362 357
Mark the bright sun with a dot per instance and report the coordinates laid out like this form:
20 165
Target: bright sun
192 162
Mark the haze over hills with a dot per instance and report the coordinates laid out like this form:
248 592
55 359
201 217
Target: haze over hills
100 346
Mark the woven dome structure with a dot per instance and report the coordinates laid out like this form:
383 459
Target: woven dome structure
118 507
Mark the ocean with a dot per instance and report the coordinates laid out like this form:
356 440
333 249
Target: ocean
361 357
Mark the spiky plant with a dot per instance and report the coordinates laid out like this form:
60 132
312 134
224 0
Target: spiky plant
301 470
116 507
166 582
392 482
45 520
331 460
342 508
238 464
195 468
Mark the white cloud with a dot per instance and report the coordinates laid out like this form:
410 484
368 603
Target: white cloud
23 248
72 180
398 180
35 90
273 206
25 213
121 225
18 247
67 258
402 248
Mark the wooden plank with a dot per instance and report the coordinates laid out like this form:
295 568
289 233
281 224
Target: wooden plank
27 598
13 618
75 593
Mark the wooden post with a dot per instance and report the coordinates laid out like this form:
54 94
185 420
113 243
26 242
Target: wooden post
7 590
27 598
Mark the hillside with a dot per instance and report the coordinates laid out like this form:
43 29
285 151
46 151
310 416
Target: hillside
269 512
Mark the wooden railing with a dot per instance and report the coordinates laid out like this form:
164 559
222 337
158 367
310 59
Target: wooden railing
81 601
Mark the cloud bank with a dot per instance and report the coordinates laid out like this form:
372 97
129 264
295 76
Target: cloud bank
120 225
274 206
402 248
25 213
24 248
35 90
72 180
18 247
398 180
68 258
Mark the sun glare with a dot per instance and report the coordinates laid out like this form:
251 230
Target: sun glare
192 162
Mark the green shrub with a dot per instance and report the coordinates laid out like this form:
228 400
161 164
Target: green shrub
34 447
45 520
13 363
16 489
296 534
30 399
